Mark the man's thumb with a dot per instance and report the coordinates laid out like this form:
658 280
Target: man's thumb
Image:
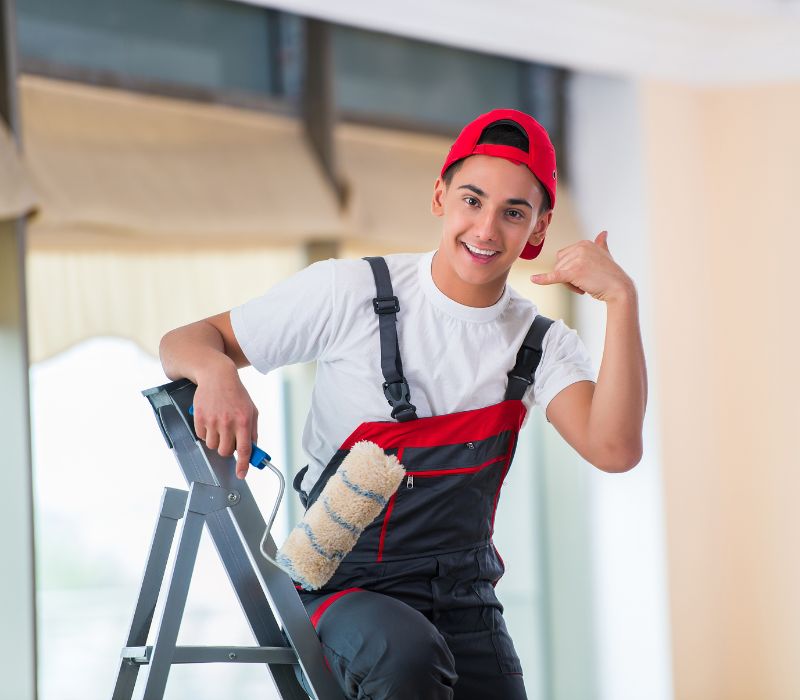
602 240
542 278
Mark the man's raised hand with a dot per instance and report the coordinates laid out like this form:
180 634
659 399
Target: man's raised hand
587 267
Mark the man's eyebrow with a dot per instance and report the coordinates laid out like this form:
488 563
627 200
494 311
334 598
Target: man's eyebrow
523 202
481 193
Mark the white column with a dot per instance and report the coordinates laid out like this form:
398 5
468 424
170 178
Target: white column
607 172
17 589
17 584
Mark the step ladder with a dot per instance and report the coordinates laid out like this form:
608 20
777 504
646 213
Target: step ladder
289 645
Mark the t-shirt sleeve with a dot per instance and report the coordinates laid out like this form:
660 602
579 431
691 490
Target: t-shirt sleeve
565 360
289 323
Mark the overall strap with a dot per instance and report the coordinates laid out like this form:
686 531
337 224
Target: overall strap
521 376
386 305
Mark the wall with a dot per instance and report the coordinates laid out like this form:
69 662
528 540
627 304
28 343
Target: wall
722 167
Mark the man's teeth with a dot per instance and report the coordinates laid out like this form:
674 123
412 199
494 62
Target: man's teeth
479 251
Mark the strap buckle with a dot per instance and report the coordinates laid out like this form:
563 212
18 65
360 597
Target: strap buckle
399 397
386 305
527 380
528 358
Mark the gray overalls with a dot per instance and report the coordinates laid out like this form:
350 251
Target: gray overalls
411 612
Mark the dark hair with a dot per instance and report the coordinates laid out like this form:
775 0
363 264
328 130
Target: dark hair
502 134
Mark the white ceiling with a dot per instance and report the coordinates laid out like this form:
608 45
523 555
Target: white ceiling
711 42
697 10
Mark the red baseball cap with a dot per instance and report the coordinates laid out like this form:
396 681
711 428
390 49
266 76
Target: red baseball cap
540 158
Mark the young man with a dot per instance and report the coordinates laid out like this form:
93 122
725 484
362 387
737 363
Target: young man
411 612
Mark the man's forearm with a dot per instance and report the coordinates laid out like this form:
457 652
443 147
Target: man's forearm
190 351
620 395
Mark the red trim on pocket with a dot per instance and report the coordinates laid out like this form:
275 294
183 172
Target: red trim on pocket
388 514
449 429
444 472
497 497
328 602
385 525
508 457
457 470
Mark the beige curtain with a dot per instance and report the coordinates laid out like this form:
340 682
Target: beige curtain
73 296
115 169
17 197
156 212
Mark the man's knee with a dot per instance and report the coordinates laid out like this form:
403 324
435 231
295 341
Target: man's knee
384 648
418 664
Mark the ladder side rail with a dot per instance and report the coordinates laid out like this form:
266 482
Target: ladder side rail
236 533
173 503
285 601
249 526
157 671
249 590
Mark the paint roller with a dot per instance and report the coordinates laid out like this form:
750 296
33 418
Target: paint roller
351 499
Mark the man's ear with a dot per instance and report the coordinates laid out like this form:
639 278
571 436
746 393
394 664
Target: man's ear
540 229
437 202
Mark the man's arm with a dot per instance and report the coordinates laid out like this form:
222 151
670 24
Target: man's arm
187 350
207 353
603 422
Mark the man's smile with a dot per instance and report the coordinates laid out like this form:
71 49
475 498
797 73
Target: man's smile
482 254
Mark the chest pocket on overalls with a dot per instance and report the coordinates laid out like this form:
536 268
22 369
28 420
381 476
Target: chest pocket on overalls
448 497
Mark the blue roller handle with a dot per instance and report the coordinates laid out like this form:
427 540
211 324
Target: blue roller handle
258 457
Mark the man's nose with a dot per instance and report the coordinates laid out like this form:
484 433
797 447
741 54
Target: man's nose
486 225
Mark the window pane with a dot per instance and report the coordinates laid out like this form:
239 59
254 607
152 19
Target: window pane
100 467
398 78
196 43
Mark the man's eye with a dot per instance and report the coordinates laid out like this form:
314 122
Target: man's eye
471 201
515 214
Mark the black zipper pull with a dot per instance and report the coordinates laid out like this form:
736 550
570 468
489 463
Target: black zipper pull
410 481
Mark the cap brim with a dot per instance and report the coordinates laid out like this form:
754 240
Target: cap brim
529 252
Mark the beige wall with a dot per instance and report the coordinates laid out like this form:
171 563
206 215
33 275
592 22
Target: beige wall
722 180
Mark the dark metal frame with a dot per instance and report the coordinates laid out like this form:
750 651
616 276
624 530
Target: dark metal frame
319 111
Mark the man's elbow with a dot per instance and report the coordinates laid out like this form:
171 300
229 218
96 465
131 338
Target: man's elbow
620 458
165 355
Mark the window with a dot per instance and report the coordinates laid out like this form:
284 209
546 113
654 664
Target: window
100 466
215 46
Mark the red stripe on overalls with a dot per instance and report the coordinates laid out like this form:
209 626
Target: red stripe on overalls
328 602
388 514
497 498
437 431
508 456
448 429
458 470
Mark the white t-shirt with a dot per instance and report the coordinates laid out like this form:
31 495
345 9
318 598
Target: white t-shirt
455 357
